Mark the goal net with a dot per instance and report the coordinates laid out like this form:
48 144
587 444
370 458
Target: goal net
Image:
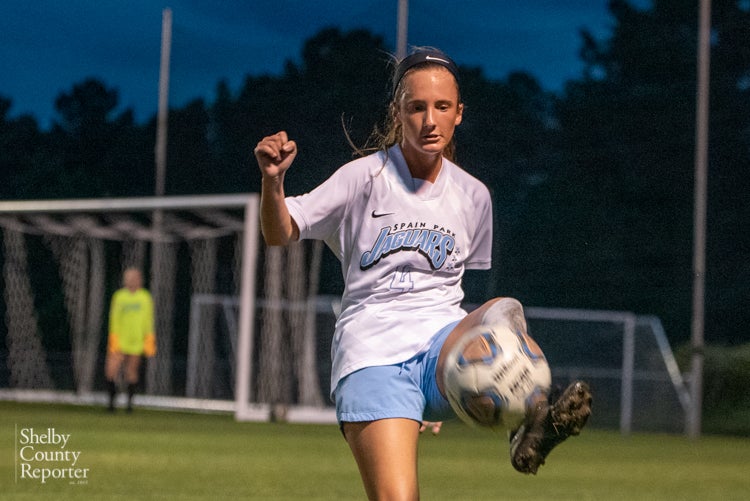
626 359
62 261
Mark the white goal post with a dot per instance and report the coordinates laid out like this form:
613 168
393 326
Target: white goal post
193 249
646 359
79 235
625 357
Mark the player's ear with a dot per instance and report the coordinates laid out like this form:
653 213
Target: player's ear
395 115
459 114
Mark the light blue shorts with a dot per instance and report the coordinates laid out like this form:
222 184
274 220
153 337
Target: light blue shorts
405 390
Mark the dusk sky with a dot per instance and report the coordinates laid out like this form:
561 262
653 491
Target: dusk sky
47 46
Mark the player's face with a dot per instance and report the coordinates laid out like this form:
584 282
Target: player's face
132 279
428 110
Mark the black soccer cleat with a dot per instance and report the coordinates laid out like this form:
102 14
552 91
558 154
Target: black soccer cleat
548 424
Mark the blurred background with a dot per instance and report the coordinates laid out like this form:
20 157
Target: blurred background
580 118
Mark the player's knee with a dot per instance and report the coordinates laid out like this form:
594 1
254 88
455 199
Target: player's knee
504 310
397 492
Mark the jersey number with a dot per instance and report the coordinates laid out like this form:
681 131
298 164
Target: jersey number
401 280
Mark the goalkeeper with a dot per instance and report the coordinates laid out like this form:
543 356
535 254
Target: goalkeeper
131 335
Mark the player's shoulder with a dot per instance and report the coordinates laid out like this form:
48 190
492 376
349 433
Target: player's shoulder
357 173
464 181
365 166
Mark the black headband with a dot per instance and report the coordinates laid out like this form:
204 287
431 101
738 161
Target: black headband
421 57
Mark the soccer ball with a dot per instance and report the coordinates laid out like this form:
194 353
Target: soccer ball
491 373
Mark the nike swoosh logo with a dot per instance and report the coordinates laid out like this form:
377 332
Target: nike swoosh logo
381 214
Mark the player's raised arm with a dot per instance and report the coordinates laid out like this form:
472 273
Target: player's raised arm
275 155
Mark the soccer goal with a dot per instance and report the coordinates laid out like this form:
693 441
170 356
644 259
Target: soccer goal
627 360
219 297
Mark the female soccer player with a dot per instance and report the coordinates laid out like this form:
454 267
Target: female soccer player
405 222
131 334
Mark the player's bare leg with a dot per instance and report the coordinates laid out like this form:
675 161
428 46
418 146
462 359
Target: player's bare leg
505 311
499 310
548 421
112 366
386 454
132 368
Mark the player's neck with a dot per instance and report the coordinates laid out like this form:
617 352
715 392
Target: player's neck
423 166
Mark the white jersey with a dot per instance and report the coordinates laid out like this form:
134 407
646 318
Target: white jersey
403 244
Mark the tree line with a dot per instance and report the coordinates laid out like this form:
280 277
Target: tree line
592 186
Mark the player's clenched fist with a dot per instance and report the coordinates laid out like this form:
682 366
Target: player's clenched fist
275 154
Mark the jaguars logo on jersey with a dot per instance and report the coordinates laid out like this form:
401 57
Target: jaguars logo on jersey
435 244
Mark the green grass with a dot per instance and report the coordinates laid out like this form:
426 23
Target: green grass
172 455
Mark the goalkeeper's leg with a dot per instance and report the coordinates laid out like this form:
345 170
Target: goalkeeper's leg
132 371
112 366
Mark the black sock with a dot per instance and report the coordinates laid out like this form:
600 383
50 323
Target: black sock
131 392
112 388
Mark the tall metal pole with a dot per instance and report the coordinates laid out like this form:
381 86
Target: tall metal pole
699 228
158 370
402 28
163 112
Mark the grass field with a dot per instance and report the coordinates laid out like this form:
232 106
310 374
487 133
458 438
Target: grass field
173 455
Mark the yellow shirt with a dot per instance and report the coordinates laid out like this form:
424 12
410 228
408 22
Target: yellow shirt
131 318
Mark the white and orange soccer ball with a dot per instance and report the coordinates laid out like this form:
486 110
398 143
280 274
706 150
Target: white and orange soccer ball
491 374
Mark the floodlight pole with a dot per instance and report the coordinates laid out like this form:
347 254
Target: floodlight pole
163 112
155 383
699 223
402 28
